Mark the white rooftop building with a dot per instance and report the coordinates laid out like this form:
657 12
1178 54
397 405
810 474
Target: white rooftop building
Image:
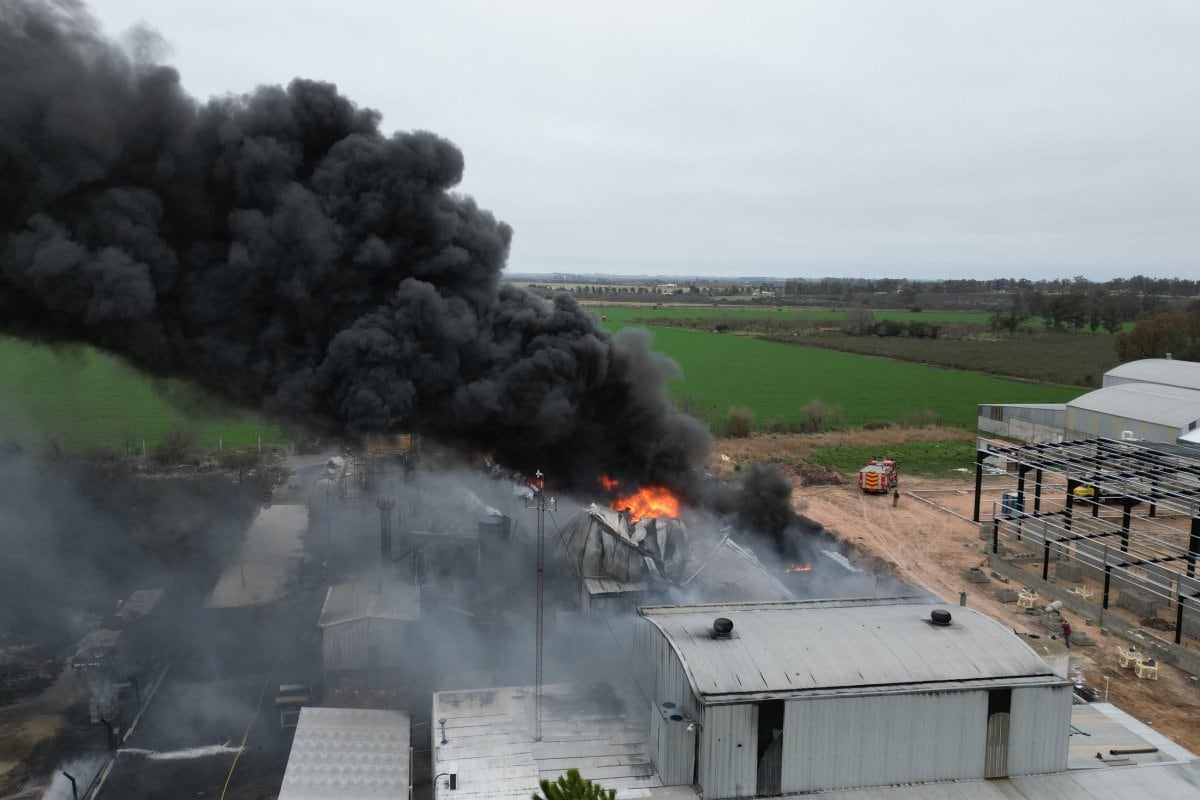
1159 371
349 754
1153 399
764 699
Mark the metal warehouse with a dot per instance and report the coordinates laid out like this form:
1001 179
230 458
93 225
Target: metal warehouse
778 698
1161 371
364 623
1148 411
1154 399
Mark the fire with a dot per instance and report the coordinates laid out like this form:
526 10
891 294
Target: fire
799 568
649 501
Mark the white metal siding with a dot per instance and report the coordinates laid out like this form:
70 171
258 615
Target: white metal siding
673 750
672 745
729 752
1039 729
347 645
848 742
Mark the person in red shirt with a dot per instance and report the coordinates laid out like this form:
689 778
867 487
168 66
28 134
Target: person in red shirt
1066 634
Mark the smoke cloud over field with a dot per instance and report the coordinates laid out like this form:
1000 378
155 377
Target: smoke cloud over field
282 250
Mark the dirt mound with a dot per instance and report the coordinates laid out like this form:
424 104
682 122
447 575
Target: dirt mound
805 474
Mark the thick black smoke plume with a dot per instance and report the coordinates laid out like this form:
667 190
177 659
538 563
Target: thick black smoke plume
281 250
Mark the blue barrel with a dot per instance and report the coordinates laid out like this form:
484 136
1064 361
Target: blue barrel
1011 504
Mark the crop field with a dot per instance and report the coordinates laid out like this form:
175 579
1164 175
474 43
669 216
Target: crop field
86 399
1078 359
775 381
643 314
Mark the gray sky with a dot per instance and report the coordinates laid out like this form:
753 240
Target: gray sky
791 139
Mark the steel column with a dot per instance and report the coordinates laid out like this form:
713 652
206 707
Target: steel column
980 455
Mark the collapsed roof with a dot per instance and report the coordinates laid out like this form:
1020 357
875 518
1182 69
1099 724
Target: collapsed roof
611 555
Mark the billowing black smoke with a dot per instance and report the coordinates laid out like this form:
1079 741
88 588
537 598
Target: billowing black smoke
760 503
284 252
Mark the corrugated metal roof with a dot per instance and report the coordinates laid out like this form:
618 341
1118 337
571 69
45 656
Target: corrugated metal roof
795 647
371 598
1162 405
348 754
603 731
1164 371
1154 782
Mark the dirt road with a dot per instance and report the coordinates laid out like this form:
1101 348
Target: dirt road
929 539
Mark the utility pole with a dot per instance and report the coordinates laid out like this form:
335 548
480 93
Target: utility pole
541 504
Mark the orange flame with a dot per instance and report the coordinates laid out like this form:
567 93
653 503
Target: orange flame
799 568
649 501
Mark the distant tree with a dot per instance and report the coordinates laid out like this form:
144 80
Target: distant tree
859 322
1011 319
572 787
1178 334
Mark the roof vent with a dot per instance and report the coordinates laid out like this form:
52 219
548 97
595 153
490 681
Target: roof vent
722 628
939 616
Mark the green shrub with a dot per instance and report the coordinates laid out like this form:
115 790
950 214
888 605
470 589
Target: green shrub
739 421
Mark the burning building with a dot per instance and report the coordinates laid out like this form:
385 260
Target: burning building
619 562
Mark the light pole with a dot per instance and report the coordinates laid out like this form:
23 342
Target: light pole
541 504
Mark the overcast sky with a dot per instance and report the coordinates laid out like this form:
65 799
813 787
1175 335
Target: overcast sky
790 139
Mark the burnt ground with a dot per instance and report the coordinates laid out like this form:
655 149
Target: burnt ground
85 537
220 691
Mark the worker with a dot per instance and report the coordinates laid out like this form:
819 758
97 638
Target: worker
895 497
1066 633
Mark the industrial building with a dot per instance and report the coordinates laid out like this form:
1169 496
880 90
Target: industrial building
349 754
1153 400
779 698
364 623
866 699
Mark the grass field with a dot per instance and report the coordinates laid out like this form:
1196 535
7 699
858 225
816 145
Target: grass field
775 381
927 459
87 399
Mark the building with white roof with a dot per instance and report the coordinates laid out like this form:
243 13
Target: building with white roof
1153 400
1151 412
349 754
1158 371
779 698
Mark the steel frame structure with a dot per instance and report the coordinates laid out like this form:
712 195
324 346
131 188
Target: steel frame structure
1163 479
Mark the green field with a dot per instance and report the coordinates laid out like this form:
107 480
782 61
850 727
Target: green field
927 459
775 381
85 399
